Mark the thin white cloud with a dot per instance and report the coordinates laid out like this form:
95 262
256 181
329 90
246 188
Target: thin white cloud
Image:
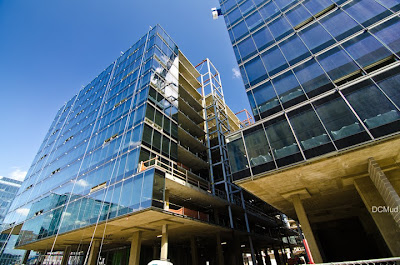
82 183
236 73
18 174
23 211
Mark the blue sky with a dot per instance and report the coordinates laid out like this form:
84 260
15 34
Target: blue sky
49 49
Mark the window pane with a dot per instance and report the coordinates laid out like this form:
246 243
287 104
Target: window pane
340 25
366 50
316 6
265 97
312 77
284 4
337 64
255 70
383 110
234 16
228 5
237 155
252 103
281 139
390 84
257 147
298 15
309 130
274 61
287 87
316 37
338 119
294 50
254 21
389 34
247 48
280 28
366 12
392 4
263 38
246 7
269 11
239 30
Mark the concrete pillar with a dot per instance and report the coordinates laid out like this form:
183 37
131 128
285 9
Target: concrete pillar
26 256
220 252
66 254
193 250
94 252
384 221
164 243
305 226
385 188
237 249
166 200
136 243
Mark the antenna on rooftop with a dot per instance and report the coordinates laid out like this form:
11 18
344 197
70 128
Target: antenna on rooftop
216 12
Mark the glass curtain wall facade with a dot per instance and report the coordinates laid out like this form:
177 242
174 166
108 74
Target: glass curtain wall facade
320 76
90 155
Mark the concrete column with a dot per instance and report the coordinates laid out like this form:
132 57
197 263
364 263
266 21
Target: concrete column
26 256
66 254
220 252
136 243
94 252
384 221
385 188
305 226
164 243
237 250
166 200
193 250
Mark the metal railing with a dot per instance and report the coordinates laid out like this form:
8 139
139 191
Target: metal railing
181 174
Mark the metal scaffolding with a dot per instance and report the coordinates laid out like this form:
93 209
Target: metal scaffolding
216 126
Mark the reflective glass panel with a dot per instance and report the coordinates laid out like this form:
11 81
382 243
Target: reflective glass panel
389 82
366 12
316 38
234 16
254 21
252 103
239 30
281 139
246 7
366 50
263 38
284 4
340 25
255 70
308 129
389 34
382 112
274 60
287 87
265 97
298 15
311 76
228 5
337 64
392 4
269 11
247 48
280 28
294 50
257 147
338 118
316 6
237 155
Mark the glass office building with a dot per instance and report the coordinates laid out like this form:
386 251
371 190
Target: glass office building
129 153
323 81
320 76
8 190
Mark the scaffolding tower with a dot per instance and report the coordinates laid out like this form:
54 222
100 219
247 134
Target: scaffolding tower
216 126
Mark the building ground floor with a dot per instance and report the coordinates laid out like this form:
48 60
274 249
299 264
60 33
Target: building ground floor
347 202
156 234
